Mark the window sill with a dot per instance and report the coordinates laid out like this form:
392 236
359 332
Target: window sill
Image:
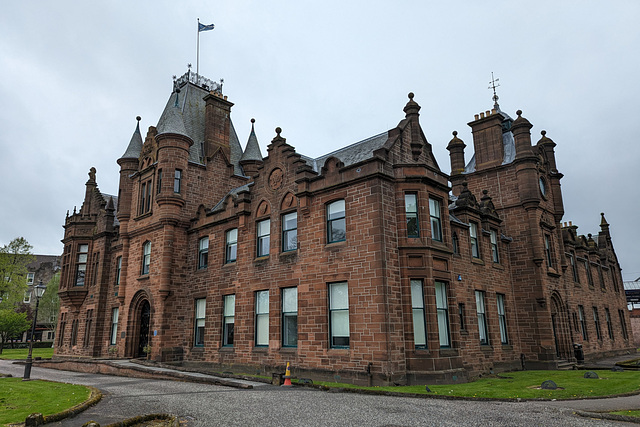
197 349
507 347
339 351
288 255
261 349
289 349
227 349
497 266
261 260
229 264
201 270
478 261
486 347
143 216
144 277
336 245
553 273
449 352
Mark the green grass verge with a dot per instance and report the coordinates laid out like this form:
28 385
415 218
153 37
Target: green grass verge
627 413
525 385
20 398
21 353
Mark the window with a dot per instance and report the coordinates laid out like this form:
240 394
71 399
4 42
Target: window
74 333
463 325
495 256
336 224
547 251
87 328
63 326
118 270
96 263
473 235
27 296
623 324
81 265
436 225
613 279
339 315
601 277
201 306
419 319
583 323
596 321
146 257
482 318
264 237
443 314
290 317
115 312
411 212
587 267
607 317
30 277
290 232
574 269
145 197
177 181
159 181
502 319
203 252
262 318
456 244
229 312
231 250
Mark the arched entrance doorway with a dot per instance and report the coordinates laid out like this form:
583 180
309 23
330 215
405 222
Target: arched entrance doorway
143 332
560 324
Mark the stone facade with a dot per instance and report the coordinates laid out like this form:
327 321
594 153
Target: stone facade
368 264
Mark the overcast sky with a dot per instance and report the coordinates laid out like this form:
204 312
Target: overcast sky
75 74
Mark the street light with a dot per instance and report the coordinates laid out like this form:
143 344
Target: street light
39 291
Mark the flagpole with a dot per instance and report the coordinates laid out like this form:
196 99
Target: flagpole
198 52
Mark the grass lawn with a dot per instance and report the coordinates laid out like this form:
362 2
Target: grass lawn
628 413
525 384
21 353
20 398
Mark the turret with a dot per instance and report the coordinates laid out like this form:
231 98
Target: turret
251 159
128 166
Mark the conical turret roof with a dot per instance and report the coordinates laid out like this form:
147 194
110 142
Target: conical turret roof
252 150
135 145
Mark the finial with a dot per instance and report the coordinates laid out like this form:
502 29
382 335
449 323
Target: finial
253 121
485 192
189 66
543 132
455 133
493 85
519 113
138 118
411 96
278 130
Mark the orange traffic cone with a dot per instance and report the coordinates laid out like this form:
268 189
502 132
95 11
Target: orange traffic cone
287 377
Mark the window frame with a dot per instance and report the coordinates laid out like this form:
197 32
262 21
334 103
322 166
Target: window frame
118 270
481 312
474 241
199 321
418 314
442 311
231 245
261 239
203 252
412 215
336 315
287 315
495 252
260 316
286 232
113 333
177 181
502 319
435 220
146 258
228 319
583 323
574 267
607 317
82 259
331 220
159 181
596 322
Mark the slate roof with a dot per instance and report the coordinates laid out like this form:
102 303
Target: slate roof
135 145
350 154
252 150
188 119
234 192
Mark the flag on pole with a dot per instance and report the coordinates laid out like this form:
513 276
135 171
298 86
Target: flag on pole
202 27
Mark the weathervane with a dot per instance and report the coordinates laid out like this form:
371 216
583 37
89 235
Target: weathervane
493 85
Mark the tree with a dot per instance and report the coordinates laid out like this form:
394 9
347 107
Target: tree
50 303
11 324
14 259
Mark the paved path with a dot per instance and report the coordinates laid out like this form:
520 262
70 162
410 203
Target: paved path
266 405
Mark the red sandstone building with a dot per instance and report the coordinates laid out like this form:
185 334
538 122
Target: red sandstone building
366 264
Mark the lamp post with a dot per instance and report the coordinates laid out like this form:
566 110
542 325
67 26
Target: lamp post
39 291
